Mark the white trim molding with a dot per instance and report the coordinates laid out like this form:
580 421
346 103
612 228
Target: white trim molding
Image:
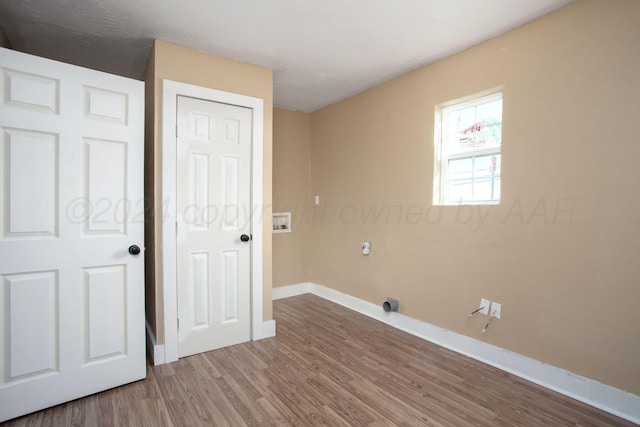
170 92
267 330
610 399
290 290
155 351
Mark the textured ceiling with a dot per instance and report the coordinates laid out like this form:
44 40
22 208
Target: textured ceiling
321 51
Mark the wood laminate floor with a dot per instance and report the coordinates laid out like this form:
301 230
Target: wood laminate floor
327 366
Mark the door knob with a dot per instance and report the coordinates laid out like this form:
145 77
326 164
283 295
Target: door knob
134 249
245 238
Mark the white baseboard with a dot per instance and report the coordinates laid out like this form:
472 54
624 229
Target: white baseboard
290 290
268 330
618 402
156 351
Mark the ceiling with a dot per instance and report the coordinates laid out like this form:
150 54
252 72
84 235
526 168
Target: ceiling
321 51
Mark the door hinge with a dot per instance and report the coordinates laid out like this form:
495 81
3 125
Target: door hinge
178 323
176 228
176 131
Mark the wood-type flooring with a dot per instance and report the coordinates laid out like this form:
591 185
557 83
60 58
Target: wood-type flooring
327 366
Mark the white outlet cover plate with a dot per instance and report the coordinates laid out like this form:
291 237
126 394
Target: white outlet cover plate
484 304
496 309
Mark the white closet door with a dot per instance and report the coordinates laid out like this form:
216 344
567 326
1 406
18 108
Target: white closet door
214 223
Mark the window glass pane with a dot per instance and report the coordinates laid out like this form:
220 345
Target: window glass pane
463 118
461 168
488 165
482 189
460 191
483 166
479 133
498 163
474 178
490 109
487 169
490 115
459 121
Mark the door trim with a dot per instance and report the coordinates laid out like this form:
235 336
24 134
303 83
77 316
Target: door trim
170 91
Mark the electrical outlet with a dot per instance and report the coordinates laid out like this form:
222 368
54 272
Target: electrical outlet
496 310
366 248
484 306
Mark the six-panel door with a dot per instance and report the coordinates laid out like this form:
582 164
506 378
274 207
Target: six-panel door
214 211
71 204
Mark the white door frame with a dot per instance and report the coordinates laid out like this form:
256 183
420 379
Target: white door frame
170 91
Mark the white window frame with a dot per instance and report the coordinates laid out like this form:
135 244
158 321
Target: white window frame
441 158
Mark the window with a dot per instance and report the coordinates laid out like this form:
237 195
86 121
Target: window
467 152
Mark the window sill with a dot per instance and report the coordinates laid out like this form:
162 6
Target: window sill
469 203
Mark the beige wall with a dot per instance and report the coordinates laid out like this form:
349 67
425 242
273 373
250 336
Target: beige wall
561 250
173 62
291 149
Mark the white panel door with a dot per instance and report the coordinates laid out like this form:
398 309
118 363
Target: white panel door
214 225
71 206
